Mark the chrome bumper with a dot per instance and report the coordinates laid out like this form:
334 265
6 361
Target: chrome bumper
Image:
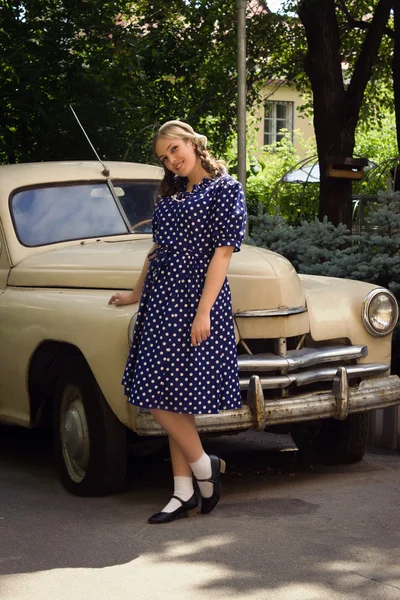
257 413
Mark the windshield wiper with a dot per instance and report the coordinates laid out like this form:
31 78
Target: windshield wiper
119 205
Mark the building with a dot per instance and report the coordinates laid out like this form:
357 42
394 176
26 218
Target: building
278 110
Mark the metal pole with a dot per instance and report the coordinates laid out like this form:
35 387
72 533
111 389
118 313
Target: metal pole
106 171
241 6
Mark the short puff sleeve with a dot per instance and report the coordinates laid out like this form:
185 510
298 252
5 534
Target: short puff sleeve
229 214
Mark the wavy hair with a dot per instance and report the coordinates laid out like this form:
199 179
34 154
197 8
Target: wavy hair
170 184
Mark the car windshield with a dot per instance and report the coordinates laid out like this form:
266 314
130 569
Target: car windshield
58 213
138 200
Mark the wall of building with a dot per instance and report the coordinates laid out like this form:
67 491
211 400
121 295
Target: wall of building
284 92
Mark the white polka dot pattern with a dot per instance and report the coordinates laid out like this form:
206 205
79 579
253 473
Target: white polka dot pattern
163 369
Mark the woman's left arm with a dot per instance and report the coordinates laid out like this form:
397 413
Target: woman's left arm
214 281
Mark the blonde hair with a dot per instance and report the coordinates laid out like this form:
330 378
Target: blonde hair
178 129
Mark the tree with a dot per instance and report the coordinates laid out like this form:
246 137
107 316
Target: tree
126 67
337 105
187 54
60 52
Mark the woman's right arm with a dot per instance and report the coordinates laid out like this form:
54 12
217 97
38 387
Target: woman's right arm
121 298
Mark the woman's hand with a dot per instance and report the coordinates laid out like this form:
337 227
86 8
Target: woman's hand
200 328
121 298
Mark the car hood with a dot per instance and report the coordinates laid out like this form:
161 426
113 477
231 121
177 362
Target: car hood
259 279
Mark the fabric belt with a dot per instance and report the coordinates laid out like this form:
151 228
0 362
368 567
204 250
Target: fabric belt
174 251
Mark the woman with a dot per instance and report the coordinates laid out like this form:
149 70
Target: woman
183 358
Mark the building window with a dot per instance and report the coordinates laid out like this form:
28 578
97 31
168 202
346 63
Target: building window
278 116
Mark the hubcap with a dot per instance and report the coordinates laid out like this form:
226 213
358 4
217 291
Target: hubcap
74 434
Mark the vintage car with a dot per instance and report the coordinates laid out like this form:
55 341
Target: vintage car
313 352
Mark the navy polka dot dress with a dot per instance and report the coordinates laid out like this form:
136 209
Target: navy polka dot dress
164 370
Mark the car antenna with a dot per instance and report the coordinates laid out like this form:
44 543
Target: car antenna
106 171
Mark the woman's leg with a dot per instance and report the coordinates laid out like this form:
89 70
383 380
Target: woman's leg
182 429
186 447
183 478
180 465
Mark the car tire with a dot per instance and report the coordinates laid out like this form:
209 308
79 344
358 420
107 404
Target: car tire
335 442
89 440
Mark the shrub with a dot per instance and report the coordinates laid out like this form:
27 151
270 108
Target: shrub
265 170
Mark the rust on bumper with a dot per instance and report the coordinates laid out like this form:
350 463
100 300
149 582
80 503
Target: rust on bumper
370 394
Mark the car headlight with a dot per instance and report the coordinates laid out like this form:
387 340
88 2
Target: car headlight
380 312
131 328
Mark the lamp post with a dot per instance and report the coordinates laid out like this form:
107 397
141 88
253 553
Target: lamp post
241 6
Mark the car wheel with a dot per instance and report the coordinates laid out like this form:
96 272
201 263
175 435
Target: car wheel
90 442
335 442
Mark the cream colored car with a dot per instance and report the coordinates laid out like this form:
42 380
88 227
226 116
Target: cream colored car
313 352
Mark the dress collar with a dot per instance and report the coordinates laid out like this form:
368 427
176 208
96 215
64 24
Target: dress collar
205 182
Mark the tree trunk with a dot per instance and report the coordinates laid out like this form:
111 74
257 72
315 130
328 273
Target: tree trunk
323 66
336 200
336 110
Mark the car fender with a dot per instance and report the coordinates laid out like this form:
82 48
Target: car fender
335 306
82 318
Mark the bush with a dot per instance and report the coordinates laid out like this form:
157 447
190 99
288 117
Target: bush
264 186
320 248
379 144
308 246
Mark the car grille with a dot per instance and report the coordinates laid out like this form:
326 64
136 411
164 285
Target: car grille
306 366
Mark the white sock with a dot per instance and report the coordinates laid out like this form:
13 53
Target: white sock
202 470
183 488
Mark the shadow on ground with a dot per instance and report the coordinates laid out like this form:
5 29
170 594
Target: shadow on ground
281 523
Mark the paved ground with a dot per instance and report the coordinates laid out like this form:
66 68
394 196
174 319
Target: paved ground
283 531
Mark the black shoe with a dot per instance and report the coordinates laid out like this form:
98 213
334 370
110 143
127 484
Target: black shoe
218 466
187 509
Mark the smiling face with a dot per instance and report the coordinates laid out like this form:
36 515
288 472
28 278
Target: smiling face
177 155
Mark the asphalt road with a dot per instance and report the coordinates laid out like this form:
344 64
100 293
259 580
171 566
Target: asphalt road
283 530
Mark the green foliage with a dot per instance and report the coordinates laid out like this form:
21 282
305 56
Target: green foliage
349 50
310 245
352 18
132 65
297 202
376 140
320 248
60 53
126 67
265 184
265 189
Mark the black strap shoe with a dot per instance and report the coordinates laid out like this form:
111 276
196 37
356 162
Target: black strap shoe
187 509
218 466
